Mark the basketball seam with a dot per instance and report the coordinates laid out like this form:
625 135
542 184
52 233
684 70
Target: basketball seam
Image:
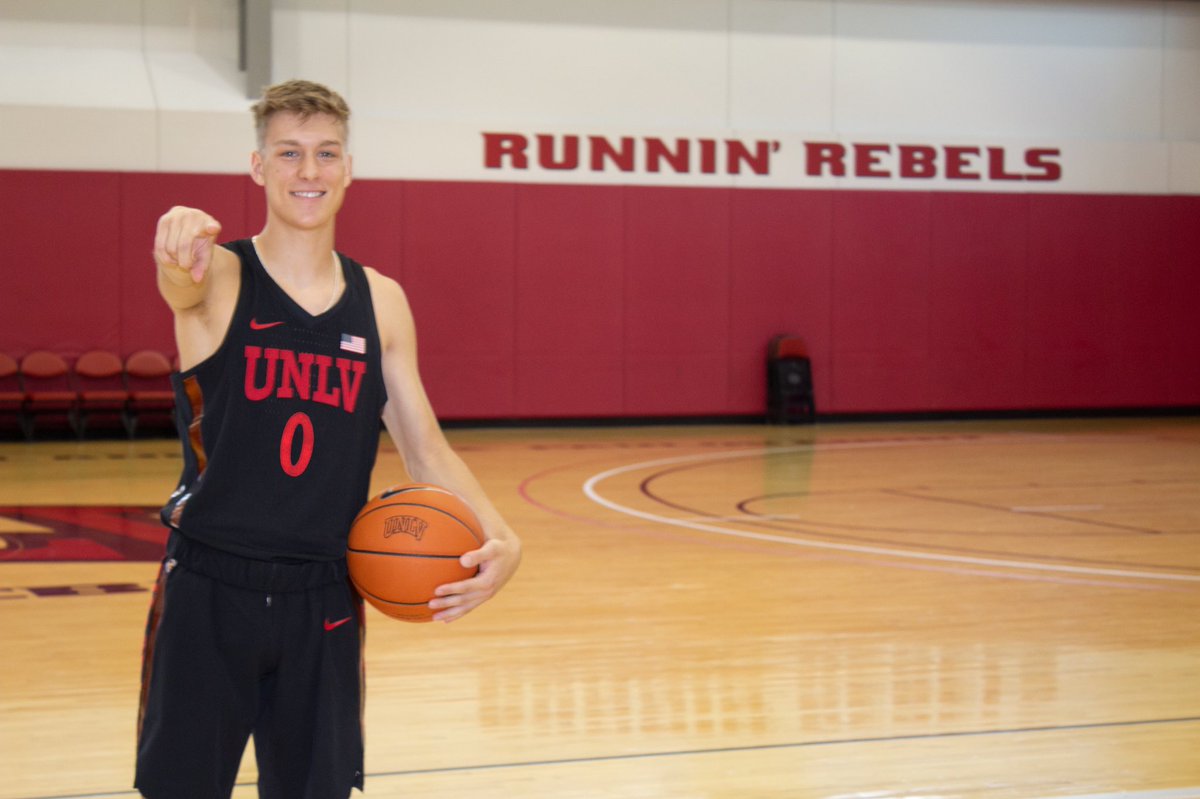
391 492
392 601
401 554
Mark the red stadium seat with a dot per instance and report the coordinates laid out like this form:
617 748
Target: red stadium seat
148 379
48 391
12 395
99 381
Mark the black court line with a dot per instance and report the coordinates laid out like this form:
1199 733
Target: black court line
721 750
816 530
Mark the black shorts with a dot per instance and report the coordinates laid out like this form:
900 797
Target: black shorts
236 647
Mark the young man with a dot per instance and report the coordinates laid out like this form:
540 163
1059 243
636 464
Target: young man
290 353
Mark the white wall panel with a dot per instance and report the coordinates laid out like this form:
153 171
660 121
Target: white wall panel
47 137
216 23
1181 71
582 69
167 26
187 82
781 65
1184 167
112 24
205 141
1111 83
61 76
310 40
1068 69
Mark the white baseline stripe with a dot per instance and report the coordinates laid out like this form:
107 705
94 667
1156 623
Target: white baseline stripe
590 490
1169 793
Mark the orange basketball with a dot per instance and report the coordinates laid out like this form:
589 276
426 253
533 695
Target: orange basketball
406 542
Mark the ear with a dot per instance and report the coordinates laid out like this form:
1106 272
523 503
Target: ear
349 169
256 168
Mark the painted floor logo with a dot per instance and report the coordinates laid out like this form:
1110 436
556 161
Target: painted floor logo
72 533
91 589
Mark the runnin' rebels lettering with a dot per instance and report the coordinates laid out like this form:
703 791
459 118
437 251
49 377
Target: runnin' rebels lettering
288 374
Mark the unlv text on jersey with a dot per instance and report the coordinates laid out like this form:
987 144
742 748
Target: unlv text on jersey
287 374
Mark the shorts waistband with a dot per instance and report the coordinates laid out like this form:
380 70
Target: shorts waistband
257 575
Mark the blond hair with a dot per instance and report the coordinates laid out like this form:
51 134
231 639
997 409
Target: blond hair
301 97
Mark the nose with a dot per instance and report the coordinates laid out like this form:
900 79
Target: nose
308 166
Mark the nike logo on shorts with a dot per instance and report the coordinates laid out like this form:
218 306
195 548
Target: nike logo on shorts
333 625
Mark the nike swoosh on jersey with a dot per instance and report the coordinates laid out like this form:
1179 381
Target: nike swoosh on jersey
257 325
333 625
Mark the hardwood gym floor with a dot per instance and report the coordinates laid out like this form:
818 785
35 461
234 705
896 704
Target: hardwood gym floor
921 609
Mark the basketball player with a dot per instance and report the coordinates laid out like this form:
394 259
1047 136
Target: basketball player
290 354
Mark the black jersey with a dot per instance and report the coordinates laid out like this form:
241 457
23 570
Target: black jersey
281 425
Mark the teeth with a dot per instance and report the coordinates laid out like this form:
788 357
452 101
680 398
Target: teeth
311 195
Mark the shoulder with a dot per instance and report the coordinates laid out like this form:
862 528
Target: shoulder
222 287
226 274
234 250
393 318
227 261
385 291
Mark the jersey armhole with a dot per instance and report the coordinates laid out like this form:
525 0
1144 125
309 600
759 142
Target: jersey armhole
378 348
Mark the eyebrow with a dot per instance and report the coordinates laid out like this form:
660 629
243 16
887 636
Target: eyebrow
294 143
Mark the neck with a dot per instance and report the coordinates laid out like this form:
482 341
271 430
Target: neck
303 269
297 255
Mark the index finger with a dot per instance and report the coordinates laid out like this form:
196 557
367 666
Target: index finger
182 234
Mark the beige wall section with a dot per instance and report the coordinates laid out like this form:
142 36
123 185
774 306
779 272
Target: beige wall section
311 39
48 137
122 85
1181 71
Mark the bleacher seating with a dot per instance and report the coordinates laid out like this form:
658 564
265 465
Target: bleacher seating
151 399
12 395
44 391
49 396
99 382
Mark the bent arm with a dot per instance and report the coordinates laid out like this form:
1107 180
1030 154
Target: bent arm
429 458
198 280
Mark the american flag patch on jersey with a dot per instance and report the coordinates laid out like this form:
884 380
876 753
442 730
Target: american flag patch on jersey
354 344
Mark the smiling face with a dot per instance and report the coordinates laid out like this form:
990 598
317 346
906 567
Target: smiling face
304 167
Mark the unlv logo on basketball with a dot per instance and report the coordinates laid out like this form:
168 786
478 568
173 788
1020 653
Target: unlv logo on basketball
406 525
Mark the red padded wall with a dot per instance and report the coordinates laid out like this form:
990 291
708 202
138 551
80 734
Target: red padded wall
459 266
574 301
676 301
570 312
61 260
1175 340
371 225
881 302
977 295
